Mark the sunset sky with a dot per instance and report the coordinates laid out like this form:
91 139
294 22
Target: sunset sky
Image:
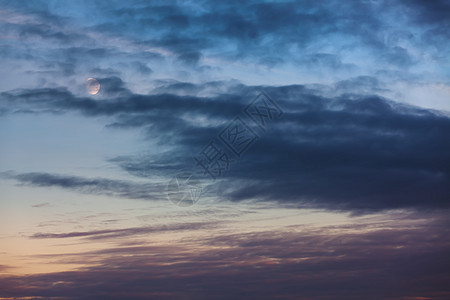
315 137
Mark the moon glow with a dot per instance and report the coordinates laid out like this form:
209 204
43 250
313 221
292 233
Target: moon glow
92 86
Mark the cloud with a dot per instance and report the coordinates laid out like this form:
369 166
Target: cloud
388 260
124 232
102 71
429 12
98 186
338 146
190 58
113 86
358 85
357 152
326 40
142 68
45 204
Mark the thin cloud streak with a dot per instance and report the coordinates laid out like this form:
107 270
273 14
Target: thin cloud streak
125 232
96 186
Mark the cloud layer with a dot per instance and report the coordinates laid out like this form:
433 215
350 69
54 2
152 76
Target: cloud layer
371 261
351 152
356 130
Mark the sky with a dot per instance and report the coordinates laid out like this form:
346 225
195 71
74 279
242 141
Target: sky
234 149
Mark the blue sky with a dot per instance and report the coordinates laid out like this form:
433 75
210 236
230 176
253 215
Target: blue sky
358 163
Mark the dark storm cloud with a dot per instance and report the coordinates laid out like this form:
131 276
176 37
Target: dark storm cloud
352 152
98 186
322 263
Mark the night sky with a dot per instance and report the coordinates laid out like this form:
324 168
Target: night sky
225 149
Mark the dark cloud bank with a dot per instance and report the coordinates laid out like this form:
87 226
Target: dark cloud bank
353 152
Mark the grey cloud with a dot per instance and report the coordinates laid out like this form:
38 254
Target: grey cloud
434 12
113 86
105 71
190 58
46 32
398 56
352 152
359 85
142 68
99 186
45 204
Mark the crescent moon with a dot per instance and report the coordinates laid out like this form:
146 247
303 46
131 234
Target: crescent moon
92 86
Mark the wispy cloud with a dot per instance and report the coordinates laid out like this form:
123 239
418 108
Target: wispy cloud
98 186
45 204
124 232
352 262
